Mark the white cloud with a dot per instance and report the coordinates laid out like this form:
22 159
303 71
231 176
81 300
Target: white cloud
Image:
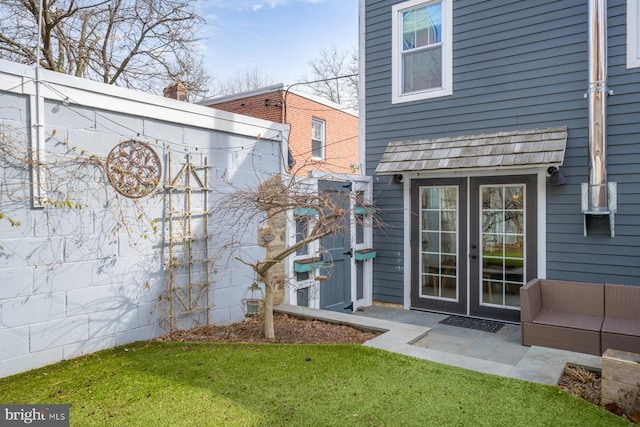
254 5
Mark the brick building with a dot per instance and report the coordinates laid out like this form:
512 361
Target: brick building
324 135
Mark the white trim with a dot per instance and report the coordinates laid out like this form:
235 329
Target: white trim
406 190
362 111
210 102
359 183
542 224
465 173
633 33
323 140
20 79
447 53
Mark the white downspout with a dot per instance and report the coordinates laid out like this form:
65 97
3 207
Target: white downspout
37 155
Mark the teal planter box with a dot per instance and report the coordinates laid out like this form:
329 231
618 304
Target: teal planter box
305 211
363 210
365 254
305 265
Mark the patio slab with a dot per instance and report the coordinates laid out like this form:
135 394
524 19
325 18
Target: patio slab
419 334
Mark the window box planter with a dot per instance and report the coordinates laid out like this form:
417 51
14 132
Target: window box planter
308 264
365 254
363 210
304 211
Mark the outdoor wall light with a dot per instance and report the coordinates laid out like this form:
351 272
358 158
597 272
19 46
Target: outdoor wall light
395 179
555 176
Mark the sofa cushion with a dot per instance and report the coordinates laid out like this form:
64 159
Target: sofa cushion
569 320
622 301
616 325
573 297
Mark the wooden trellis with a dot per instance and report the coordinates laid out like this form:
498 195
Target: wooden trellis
187 240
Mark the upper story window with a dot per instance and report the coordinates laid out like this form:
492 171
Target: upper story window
317 139
422 50
633 33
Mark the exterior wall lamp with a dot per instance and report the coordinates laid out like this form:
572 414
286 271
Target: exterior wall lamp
555 176
396 179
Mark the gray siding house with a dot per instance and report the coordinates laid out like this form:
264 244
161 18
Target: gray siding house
504 141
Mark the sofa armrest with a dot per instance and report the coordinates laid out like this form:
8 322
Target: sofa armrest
530 300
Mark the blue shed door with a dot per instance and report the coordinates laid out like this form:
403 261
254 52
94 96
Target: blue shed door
335 292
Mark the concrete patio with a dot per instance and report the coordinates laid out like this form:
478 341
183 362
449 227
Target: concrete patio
419 334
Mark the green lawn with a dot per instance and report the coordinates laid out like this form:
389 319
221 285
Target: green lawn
178 384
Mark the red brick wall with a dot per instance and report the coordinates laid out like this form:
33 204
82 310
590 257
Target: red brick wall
256 106
341 129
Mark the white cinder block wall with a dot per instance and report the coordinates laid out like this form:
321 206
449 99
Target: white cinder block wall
80 278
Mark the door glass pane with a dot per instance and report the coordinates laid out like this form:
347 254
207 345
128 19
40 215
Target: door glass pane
439 245
503 224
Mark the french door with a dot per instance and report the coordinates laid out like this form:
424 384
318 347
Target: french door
473 244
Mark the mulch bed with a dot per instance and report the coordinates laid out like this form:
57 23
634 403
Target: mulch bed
288 330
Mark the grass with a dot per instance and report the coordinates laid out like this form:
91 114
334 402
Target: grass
202 384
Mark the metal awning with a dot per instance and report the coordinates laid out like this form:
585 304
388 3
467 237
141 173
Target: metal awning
520 148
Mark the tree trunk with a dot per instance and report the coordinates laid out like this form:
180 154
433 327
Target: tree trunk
269 332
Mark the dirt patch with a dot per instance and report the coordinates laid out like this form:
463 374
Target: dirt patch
581 382
288 330
585 384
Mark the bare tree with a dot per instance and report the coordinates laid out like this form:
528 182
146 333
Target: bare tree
140 44
335 76
249 209
243 82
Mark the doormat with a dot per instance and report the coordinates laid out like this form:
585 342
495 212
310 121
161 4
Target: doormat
471 323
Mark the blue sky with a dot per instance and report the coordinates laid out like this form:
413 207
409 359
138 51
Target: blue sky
279 37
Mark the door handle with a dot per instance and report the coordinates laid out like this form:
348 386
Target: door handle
350 253
473 256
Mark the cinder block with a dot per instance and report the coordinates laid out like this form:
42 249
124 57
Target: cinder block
65 277
18 223
89 247
13 107
58 333
149 313
219 316
30 361
67 222
139 334
14 342
36 252
100 143
111 322
33 309
16 282
126 270
96 299
87 347
120 123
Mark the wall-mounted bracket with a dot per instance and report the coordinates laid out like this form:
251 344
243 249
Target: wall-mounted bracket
612 206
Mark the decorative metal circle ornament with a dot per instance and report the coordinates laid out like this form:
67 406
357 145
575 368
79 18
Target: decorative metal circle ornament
133 168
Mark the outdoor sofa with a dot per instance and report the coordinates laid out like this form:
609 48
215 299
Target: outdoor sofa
579 316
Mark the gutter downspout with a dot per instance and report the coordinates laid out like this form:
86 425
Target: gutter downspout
598 196
37 153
